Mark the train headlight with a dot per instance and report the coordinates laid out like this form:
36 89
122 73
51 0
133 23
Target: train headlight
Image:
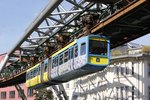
97 59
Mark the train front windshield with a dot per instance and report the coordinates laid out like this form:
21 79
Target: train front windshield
98 47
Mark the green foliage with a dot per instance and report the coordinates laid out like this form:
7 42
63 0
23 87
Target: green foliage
116 53
146 49
43 94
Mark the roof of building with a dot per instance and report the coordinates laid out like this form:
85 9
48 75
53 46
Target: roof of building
2 56
132 45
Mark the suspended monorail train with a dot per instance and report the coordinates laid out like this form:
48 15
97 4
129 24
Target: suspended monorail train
80 57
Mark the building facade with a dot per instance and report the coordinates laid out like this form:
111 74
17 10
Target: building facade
10 93
126 78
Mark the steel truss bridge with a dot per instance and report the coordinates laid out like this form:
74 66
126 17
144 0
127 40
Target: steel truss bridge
121 23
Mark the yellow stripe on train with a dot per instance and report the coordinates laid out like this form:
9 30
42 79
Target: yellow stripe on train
63 49
98 60
99 39
34 81
45 77
33 67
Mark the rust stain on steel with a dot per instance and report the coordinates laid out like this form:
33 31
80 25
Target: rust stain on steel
118 14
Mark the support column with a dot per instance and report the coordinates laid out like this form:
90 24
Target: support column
21 92
60 91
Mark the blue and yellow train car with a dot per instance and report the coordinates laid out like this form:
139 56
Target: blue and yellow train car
38 75
83 56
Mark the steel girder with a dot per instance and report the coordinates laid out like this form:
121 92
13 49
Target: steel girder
58 17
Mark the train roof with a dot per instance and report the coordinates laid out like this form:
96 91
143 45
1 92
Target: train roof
70 44
75 41
33 67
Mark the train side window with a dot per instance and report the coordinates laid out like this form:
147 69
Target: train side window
31 74
60 59
69 56
66 56
53 63
36 71
39 70
76 51
49 62
45 66
83 49
71 53
56 61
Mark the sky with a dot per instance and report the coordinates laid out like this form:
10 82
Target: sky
144 40
17 15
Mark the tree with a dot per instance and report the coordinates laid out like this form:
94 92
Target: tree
146 49
116 53
43 94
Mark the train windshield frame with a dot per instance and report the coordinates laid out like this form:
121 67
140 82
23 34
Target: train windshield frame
98 47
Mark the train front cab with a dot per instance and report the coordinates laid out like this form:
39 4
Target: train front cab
93 54
98 53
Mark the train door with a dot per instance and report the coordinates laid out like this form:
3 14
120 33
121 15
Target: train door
44 71
49 69
41 71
